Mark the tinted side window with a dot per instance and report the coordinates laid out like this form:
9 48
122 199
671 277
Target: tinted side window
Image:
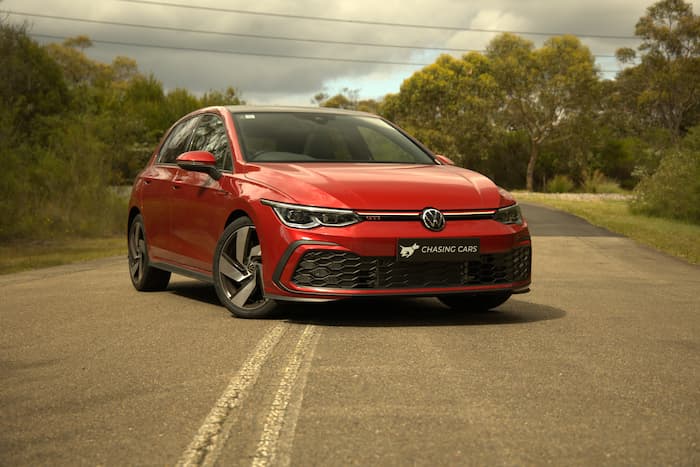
177 142
211 136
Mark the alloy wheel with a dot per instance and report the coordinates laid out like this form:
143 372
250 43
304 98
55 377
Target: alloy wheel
240 269
137 252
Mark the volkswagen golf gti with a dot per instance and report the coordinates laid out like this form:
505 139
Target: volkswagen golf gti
297 204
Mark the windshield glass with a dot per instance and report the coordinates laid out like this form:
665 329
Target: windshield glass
322 137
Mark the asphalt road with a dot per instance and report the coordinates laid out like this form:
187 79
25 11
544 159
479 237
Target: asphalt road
598 365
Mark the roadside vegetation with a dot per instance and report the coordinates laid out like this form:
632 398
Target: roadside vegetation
677 238
533 118
21 256
71 128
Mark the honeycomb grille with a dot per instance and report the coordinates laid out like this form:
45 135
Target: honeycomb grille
344 270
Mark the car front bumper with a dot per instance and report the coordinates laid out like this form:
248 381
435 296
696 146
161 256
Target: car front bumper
329 263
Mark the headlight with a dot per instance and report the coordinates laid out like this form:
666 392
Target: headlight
509 215
308 217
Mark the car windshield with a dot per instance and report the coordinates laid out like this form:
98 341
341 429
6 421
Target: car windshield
323 137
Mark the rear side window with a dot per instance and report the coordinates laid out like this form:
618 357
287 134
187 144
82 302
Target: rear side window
178 141
211 136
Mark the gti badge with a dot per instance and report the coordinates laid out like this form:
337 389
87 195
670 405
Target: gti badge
433 219
407 251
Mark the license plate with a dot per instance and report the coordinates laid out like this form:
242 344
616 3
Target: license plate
437 249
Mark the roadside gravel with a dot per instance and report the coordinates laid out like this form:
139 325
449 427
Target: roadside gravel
574 196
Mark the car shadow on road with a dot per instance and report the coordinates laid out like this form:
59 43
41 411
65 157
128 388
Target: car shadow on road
414 312
387 312
195 290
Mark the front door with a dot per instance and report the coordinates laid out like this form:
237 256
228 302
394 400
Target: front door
201 204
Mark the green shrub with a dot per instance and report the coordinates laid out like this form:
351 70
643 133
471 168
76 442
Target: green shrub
673 191
597 182
560 184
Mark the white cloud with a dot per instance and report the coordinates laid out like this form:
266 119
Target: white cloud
284 80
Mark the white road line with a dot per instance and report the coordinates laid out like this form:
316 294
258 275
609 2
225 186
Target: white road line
270 437
285 443
208 437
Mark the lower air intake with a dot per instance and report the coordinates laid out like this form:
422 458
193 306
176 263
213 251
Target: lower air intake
344 270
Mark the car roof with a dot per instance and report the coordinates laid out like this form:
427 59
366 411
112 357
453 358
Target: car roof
285 109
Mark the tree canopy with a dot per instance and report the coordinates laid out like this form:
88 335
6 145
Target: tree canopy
664 88
529 117
71 127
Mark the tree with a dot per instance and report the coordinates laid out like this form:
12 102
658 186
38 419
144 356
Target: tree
339 101
33 94
664 89
346 99
542 91
673 190
448 106
31 83
369 105
319 98
69 127
231 96
78 69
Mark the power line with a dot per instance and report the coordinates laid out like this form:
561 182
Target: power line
367 22
252 36
251 54
235 34
238 52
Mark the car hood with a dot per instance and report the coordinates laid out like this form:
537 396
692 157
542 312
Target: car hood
379 187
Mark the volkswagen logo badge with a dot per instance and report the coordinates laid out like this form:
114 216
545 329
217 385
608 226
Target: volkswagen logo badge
433 219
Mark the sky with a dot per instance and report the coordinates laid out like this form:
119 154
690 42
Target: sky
264 48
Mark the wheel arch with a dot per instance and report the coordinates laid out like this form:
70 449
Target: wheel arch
235 215
133 212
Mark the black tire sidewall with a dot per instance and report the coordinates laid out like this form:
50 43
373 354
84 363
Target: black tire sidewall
152 279
139 285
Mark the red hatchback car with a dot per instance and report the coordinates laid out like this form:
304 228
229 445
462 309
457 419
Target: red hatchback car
279 204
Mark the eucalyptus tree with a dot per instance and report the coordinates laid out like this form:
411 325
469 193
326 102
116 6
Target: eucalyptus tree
543 92
448 105
663 88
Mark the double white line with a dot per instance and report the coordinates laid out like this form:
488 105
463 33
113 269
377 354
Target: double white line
211 436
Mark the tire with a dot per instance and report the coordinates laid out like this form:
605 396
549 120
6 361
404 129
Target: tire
238 273
144 277
477 303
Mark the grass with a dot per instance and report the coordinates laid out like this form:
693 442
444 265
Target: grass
673 237
21 256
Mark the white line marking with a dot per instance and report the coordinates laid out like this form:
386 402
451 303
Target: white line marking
269 439
210 433
285 443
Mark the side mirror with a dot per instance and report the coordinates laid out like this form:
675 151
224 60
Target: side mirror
199 161
444 160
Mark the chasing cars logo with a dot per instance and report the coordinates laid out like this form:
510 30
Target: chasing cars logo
442 249
407 251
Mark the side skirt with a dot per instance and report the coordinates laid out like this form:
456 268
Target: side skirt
184 272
